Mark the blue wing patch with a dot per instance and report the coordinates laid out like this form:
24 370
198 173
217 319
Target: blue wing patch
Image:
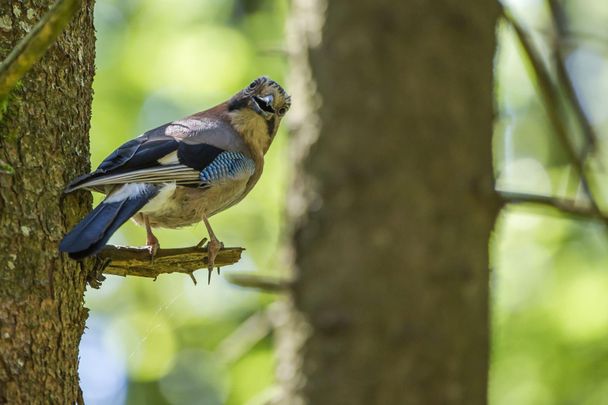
227 166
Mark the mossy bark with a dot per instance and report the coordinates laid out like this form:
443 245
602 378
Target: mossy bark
393 203
44 138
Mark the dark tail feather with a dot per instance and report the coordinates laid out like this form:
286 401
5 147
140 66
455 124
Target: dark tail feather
92 233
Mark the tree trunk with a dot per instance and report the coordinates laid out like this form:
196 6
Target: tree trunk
44 138
393 203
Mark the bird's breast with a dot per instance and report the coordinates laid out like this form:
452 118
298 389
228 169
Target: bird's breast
178 206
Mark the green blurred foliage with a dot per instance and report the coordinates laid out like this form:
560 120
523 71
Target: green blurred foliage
158 61
165 342
550 271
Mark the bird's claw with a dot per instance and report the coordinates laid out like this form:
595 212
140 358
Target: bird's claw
201 243
151 241
153 249
213 248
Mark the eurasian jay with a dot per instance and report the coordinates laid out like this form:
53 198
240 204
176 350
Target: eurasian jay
182 172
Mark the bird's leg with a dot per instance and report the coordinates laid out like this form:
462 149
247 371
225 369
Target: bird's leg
213 247
151 241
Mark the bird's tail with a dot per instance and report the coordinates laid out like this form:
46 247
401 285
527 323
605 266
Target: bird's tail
92 233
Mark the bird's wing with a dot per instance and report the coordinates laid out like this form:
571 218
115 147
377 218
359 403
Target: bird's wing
213 165
177 152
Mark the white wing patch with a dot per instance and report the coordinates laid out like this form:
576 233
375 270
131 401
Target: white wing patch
127 191
170 159
162 201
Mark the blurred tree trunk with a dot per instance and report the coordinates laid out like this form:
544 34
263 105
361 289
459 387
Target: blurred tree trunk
44 138
393 203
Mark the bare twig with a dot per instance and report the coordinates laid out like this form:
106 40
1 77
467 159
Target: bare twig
566 206
273 50
553 108
572 38
244 337
560 26
265 283
591 37
31 48
135 261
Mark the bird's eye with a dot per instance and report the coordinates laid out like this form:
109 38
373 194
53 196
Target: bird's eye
282 111
253 84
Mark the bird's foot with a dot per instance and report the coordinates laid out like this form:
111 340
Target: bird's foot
153 245
213 247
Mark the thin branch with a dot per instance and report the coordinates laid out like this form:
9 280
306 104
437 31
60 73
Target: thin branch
590 37
31 48
248 334
575 39
135 261
560 25
276 50
265 283
553 108
565 206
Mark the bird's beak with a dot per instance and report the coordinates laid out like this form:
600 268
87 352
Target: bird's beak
263 105
268 99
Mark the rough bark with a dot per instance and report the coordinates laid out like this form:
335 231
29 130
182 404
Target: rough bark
393 203
44 139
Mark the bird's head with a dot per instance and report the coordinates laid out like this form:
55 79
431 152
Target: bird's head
257 110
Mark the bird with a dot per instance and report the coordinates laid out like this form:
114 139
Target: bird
182 172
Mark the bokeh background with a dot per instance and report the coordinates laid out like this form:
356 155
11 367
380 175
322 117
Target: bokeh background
170 342
550 272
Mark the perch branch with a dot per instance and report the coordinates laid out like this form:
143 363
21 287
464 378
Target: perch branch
551 102
135 261
31 48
